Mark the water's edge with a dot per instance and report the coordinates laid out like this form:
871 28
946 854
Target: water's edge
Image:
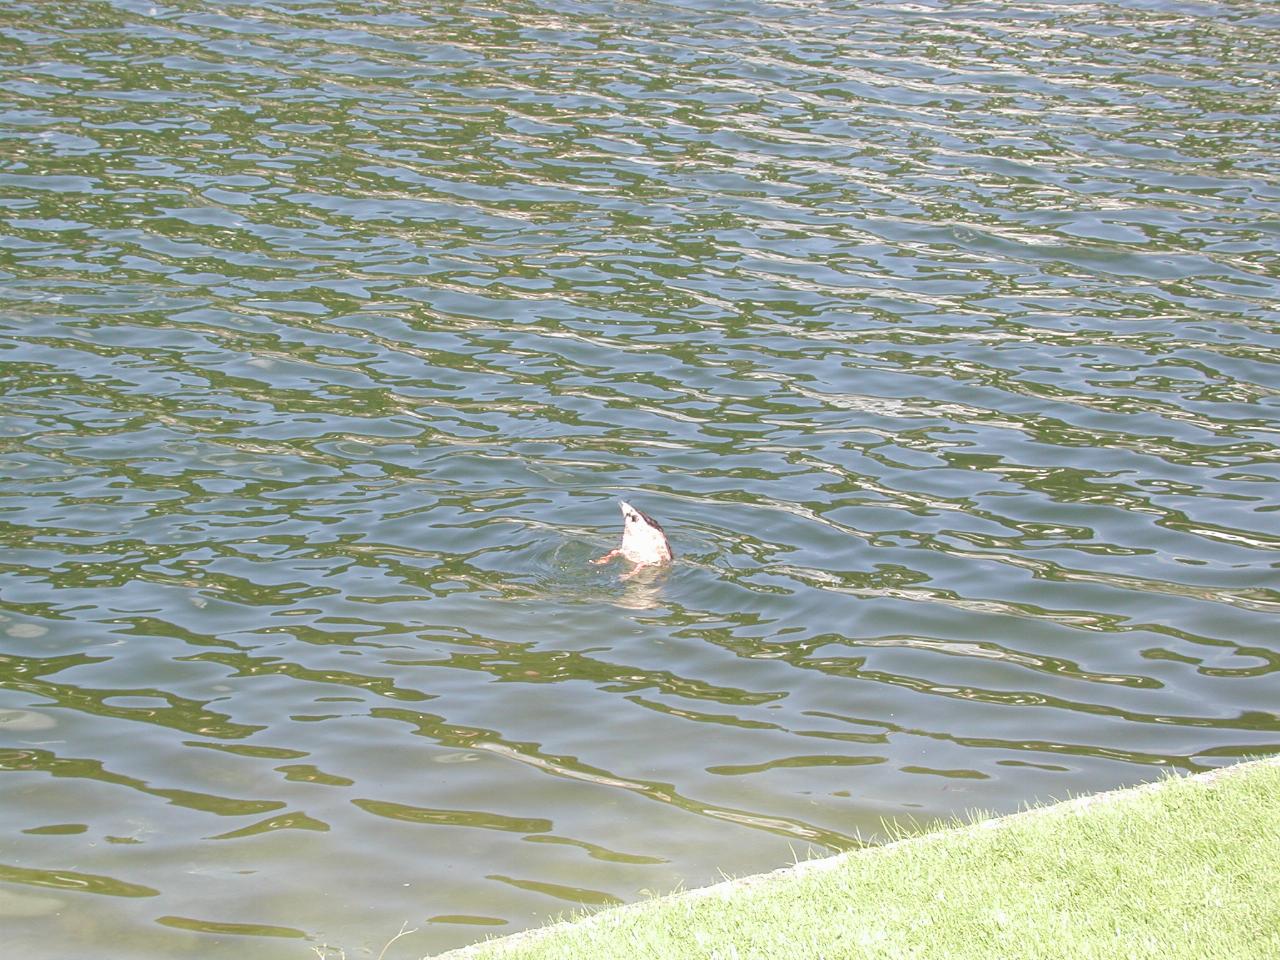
1080 806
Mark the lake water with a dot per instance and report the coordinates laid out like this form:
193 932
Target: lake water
941 337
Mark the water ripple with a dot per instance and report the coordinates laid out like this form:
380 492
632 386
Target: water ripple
941 339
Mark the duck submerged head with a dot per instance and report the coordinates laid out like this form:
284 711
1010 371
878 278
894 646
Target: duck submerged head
642 538
643 542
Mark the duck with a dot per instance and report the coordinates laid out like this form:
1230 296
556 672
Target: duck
644 543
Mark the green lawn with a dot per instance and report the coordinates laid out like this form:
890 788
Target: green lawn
1186 869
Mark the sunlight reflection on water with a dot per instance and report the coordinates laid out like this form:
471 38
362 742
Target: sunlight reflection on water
939 339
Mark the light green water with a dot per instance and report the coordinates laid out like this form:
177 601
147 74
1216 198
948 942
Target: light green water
941 337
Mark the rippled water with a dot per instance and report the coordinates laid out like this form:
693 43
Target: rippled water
941 337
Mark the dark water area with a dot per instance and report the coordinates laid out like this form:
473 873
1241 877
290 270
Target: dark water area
941 337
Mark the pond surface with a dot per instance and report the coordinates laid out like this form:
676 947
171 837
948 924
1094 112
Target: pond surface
941 337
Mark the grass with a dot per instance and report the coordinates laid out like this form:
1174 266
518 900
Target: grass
1188 868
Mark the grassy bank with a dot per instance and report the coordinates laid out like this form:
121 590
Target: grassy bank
1187 868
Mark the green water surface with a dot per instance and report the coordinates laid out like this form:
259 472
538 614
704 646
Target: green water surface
941 337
